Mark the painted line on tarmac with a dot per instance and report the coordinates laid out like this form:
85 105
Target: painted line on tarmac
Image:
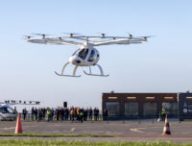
72 129
137 130
11 128
8 128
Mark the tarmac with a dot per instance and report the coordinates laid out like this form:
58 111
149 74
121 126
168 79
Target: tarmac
117 131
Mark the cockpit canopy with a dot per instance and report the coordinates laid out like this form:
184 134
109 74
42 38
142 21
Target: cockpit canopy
93 55
83 54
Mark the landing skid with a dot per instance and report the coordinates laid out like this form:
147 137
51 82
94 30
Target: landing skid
100 69
62 75
100 75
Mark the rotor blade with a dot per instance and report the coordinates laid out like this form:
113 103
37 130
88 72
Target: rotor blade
146 37
43 35
71 34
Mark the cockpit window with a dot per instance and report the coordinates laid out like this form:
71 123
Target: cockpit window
75 52
92 56
83 53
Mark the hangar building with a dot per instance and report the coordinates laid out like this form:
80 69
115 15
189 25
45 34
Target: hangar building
123 106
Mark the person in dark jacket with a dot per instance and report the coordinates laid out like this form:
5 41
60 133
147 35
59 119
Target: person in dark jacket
24 112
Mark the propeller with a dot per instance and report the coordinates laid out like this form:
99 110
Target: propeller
130 36
41 34
103 35
60 38
27 37
146 38
72 34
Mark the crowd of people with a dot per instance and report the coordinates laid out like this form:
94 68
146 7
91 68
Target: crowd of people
61 114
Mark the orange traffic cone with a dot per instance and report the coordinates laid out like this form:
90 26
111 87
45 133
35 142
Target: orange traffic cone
166 128
18 128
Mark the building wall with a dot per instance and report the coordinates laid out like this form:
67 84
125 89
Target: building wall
185 106
117 106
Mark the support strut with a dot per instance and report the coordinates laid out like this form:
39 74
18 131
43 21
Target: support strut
100 69
63 69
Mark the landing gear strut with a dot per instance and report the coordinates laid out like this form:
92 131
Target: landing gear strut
63 69
75 69
100 69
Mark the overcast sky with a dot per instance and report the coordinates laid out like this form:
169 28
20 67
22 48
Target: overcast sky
163 64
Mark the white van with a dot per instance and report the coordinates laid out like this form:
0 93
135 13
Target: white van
7 113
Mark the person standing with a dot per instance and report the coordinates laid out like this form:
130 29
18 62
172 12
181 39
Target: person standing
24 112
48 114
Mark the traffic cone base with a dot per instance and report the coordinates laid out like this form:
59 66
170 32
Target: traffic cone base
166 129
18 127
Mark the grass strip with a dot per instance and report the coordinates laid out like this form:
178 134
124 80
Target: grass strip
82 143
53 135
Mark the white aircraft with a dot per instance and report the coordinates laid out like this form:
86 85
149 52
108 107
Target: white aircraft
7 112
86 55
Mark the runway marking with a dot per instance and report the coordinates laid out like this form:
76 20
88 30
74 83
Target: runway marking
10 128
138 130
72 129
